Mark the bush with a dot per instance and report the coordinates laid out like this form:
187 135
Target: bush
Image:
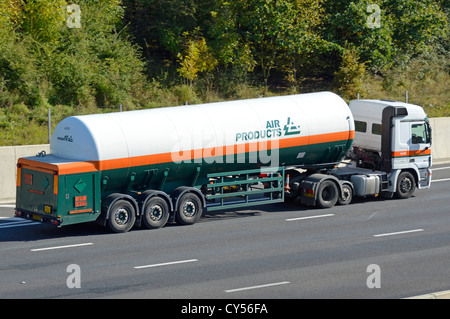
348 80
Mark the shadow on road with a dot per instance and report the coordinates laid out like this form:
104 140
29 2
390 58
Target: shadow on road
40 232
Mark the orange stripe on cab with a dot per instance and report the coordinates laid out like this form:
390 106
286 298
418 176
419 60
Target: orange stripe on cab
411 153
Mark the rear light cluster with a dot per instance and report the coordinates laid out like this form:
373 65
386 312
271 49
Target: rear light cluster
309 193
55 222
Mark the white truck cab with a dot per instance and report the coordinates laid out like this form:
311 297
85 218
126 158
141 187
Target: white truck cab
393 137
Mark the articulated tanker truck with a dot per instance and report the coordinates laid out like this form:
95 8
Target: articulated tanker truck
149 167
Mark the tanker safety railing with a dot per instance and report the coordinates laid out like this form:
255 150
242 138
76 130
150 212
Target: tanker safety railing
237 189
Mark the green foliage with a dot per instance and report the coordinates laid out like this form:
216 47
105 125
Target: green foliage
154 53
406 29
426 79
43 19
348 80
45 61
197 56
346 23
264 33
417 25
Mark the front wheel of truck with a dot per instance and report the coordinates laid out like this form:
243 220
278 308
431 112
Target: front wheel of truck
122 216
406 185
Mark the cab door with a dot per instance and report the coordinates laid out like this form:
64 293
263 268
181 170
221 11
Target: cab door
401 144
420 145
420 152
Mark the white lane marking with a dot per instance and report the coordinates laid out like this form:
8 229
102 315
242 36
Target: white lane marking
440 180
7 206
399 233
14 220
309 217
8 222
440 168
60 247
166 264
258 287
19 224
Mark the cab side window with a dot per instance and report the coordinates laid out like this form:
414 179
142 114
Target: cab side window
360 126
376 129
419 133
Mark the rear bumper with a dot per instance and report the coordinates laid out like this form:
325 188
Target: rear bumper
38 217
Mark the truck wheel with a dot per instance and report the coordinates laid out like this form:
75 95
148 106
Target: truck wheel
189 209
346 196
327 194
406 185
156 212
122 216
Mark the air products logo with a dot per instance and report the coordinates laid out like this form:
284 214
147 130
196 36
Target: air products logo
253 146
273 129
66 138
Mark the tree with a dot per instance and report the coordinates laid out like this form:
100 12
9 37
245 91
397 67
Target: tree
44 60
405 29
157 27
197 56
275 32
418 25
346 22
96 64
348 79
44 19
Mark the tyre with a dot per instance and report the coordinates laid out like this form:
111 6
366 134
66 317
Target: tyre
327 194
189 209
121 217
406 185
346 196
155 213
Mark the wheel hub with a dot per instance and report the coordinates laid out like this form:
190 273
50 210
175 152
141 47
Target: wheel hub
346 194
405 185
189 209
121 216
156 212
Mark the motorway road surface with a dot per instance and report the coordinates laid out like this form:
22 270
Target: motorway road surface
277 251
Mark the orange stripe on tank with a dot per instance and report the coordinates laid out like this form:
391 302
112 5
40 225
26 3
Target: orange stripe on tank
92 166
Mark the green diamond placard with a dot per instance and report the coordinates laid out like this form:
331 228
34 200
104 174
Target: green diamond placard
45 182
80 185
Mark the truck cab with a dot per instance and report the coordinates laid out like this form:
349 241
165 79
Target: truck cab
393 137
